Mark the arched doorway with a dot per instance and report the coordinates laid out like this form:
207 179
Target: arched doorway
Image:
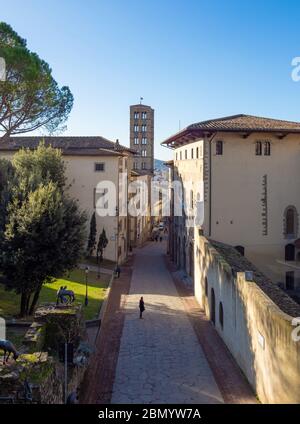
212 306
240 249
289 252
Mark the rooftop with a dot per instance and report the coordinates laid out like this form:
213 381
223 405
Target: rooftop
70 145
239 263
244 124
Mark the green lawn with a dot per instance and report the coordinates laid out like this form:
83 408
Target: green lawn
9 301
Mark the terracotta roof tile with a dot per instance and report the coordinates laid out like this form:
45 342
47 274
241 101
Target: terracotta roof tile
65 143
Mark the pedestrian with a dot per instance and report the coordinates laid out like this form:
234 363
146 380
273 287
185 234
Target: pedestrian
160 238
156 238
142 307
117 271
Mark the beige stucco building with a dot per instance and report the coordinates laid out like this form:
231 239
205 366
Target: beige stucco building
90 160
242 173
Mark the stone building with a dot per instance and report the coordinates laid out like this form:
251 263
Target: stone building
88 161
140 225
257 321
142 137
241 174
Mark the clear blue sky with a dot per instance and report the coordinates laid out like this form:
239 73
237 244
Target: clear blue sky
191 60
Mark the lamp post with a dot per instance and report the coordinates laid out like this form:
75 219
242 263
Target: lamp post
86 302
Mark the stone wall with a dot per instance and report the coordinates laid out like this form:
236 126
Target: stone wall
45 373
254 318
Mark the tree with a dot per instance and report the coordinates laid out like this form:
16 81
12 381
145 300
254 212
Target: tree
44 231
30 98
102 243
92 236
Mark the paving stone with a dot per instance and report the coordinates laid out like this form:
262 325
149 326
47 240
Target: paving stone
167 363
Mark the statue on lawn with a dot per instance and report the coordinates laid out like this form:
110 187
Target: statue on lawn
8 349
62 294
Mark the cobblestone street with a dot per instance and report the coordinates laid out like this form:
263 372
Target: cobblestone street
160 358
172 355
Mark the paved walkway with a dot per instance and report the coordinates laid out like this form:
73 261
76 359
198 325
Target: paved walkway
160 357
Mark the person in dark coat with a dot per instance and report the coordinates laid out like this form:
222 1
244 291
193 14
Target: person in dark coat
142 307
118 271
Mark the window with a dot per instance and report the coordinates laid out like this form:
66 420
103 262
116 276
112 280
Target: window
258 148
144 115
185 154
290 221
136 128
219 148
197 152
144 165
136 140
221 315
290 280
267 148
240 249
289 252
135 165
144 128
99 167
192 153
144 153
136 115
180 155
144 140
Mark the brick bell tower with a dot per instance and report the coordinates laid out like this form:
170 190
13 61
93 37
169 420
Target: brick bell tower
142 137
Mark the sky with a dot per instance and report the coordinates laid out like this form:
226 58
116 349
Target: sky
191 60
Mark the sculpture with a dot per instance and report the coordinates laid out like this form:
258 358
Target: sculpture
9 348
62 293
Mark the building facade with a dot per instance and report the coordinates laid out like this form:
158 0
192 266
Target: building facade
142 137
88 161
242 173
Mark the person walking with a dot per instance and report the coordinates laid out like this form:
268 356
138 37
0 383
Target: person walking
142 307
117 271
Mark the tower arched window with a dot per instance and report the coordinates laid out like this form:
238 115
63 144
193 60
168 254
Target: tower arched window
258 148
192 199
267 148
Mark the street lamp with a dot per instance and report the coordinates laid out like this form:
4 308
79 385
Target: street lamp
86 302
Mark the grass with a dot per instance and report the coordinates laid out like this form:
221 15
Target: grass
9 301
